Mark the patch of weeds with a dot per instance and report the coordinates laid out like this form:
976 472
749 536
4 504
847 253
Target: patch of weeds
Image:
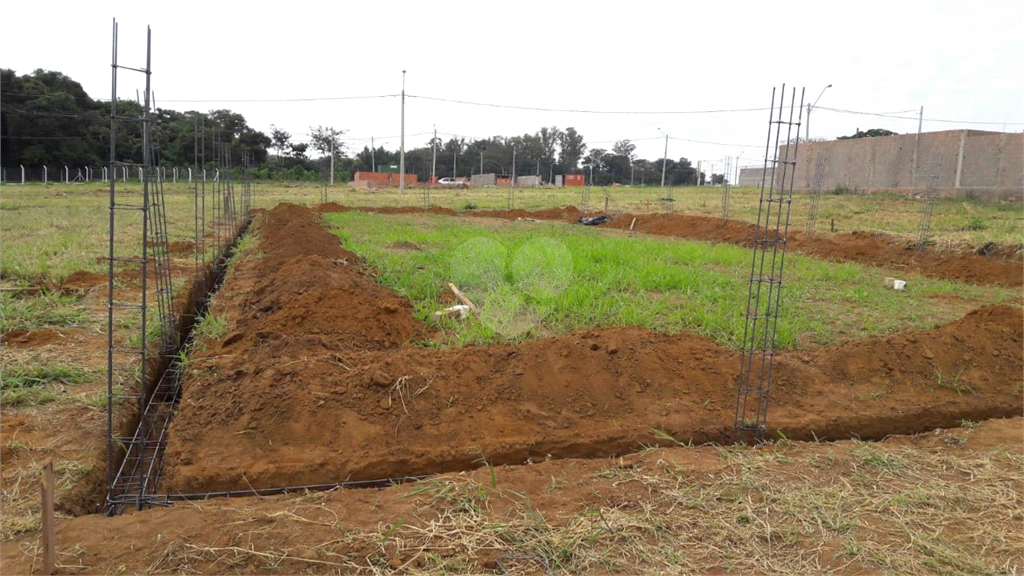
26 397
470 206
666 437
881 460
976 224
39 376
943 381
211 328
32 313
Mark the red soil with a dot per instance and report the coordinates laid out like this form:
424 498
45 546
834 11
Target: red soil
30 338
316 381
864 247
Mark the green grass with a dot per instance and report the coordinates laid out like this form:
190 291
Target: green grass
41 375
210 328
34 312
545 278
33 385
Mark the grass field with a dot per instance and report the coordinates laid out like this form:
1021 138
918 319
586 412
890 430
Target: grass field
51 231
544 279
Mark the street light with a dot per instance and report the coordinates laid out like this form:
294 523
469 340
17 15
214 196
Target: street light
401 146
664 160
807 133
738 167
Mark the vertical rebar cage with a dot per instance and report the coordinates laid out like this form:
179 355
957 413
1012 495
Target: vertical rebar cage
764 295
140 402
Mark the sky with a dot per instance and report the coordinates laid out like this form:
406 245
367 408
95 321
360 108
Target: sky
962 61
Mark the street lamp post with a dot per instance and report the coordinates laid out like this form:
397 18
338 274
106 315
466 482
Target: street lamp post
401 152
807 132
664 159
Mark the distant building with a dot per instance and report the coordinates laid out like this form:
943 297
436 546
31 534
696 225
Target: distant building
575 180
364 179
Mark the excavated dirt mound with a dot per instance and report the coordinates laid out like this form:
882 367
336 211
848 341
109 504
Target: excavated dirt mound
30 338
869 248
316 381
82 280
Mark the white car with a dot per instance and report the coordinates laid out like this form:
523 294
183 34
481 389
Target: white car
451 183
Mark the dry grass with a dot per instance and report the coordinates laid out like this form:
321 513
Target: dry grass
798 508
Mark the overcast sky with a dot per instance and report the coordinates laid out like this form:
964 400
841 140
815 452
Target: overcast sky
962 61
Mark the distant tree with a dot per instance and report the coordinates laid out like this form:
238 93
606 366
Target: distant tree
299 150
869 134
572 149
549 138
322 139
624 148
280 140
451 151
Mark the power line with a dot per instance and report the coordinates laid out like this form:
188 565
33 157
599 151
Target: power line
54 114
54 137
263 100
896 116
716 143
580 111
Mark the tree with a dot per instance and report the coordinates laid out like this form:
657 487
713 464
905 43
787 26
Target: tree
572 149
549 138
869 134
325 139
279 140
624 148
452 151
299 150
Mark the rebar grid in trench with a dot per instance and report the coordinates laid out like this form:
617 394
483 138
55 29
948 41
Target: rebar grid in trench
766 267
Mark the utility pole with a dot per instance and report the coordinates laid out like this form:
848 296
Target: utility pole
917 144
631 166
481 160
512 180
664 160
332 156
807 132
433 159
698 172
455 163
401 146
373 161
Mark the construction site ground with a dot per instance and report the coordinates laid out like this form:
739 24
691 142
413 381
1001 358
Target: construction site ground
604 450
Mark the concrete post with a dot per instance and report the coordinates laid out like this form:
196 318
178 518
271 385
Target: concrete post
960 158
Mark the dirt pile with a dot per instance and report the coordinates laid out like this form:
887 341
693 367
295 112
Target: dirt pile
864 247
316 381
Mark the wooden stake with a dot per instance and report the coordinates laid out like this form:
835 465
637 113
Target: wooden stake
462 298
49 545
631 223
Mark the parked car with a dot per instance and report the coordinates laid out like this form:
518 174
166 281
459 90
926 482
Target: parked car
452 183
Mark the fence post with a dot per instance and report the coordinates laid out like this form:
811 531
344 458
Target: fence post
22 173
960 158
49 546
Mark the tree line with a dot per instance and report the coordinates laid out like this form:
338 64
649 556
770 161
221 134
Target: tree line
46 118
